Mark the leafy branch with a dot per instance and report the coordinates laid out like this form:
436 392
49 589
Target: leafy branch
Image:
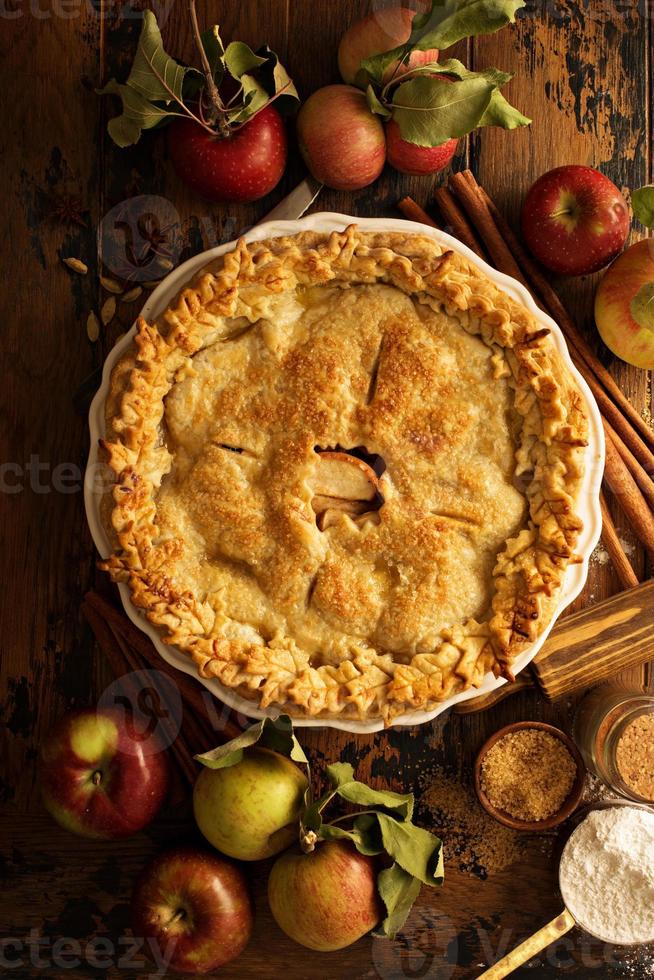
159 89
436 102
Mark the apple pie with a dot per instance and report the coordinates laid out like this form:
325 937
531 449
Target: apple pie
345 471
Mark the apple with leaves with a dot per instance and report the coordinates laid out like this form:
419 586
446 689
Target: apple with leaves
378 33
227 139
251 810
240 167
574 220
327 899
100 778
195 905
426 105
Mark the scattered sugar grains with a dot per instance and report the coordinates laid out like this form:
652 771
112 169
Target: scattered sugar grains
472 839
607 874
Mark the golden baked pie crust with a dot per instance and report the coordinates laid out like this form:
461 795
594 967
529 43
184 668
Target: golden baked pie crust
282 347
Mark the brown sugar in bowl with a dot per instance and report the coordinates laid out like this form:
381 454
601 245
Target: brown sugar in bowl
570 803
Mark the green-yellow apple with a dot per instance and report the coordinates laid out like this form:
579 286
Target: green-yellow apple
327 899
575 220
195 906
380 31
341 140
251 810
624 305
98 778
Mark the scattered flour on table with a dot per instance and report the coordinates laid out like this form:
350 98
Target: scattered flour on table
607 874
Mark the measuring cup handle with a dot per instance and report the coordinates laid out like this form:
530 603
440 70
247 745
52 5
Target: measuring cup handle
524 952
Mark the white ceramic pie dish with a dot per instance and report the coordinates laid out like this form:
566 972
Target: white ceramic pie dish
160 298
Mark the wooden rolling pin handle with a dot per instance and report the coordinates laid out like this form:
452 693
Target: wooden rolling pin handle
524 952
597 643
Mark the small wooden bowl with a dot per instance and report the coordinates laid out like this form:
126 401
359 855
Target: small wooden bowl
570 804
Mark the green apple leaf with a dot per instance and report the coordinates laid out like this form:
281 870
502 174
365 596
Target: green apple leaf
430 110
240 59
376 105
399 804
398 890
450 21
339 773
364 838
642 203
277 81
254 97
642 306
500 112
417 851
269 733
138 114
155 75
215 52
447 22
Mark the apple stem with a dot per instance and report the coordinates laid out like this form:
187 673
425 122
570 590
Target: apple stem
217 115
308 840
557 214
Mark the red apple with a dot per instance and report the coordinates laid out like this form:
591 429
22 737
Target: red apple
409 158
575 220
327 899
195 902
251 811
341 140
624 305
98 779
380 31
238 168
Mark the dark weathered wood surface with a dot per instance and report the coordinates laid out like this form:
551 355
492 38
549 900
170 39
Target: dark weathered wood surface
582 71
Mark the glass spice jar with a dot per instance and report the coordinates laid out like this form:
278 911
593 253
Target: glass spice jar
614 730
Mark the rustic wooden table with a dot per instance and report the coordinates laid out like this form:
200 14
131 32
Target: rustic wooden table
583 72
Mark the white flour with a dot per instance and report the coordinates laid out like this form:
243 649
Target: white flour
607 874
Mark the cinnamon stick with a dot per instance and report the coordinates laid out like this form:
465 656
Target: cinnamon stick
480 217
629 496
640 475
411 210
456 221
169 724
552 304
623 569
220 722
121 669
614 416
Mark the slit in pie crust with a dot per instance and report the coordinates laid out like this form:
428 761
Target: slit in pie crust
282 568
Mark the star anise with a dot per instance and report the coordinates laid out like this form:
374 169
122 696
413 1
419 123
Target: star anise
68 210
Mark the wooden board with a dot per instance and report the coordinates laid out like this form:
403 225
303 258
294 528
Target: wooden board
582 72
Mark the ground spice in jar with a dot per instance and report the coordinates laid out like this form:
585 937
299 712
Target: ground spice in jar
528 774
634 756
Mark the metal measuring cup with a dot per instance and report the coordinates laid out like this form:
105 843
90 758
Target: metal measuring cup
566 920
